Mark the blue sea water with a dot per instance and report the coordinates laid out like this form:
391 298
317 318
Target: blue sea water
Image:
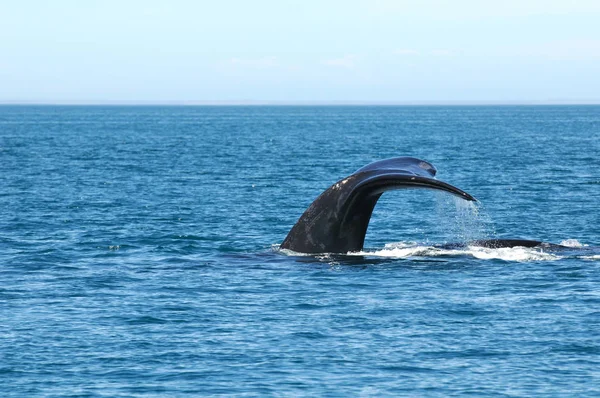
138 253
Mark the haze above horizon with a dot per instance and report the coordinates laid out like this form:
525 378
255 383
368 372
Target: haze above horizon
184 51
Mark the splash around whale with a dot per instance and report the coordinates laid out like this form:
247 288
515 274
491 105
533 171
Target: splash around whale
337 221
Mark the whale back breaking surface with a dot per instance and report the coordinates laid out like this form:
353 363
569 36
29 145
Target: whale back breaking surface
337 221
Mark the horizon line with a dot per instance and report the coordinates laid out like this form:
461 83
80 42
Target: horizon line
302 102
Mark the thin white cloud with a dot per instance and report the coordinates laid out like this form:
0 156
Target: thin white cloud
347 61
569 49
436 52
405 51
442 53
572 49
475 9
255 63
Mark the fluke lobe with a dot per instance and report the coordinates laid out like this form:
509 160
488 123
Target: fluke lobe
337 221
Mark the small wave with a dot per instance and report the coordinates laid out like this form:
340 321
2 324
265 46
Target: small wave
595 257
519 254
572 243
277 249
402 250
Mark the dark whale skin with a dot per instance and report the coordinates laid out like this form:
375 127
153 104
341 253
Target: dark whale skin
337 221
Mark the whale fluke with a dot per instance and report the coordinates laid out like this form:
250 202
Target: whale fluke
337 221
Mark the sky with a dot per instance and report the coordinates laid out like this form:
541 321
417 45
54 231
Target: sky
300 51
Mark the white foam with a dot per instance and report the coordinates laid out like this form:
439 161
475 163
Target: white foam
399 252
288 252
595 257
572 243
519 254
414 250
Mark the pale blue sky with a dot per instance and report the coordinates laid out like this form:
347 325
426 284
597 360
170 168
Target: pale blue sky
352 50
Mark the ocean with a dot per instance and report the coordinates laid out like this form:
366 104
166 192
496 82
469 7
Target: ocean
139 253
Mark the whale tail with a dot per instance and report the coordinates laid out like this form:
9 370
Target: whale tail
337 221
